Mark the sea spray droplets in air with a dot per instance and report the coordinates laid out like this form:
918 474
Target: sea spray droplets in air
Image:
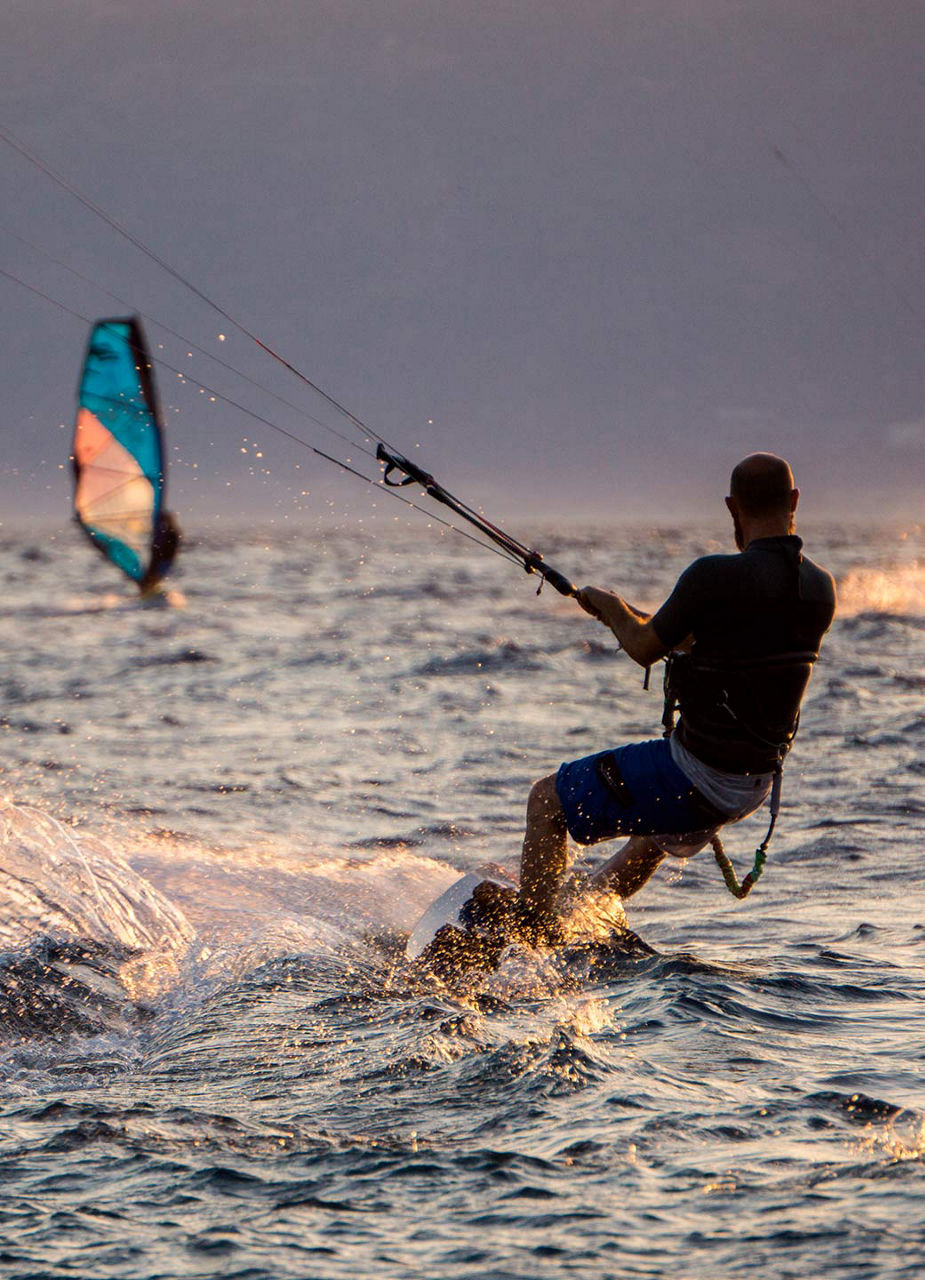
900 590
61 886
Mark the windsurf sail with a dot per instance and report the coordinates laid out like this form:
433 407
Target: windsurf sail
118 455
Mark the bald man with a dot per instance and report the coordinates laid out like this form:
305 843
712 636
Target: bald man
742 632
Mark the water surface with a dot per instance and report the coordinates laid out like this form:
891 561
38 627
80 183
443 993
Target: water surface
220 818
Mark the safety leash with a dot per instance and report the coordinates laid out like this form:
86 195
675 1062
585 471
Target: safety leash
761 853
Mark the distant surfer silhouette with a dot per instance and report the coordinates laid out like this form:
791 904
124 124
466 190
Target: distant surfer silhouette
165 543
741 633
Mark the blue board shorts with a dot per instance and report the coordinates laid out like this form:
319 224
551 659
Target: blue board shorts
636 790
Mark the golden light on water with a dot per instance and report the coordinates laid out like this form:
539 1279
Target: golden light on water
899 590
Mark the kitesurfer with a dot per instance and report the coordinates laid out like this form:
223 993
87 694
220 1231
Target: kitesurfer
741 632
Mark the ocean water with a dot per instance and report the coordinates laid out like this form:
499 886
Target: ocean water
220 818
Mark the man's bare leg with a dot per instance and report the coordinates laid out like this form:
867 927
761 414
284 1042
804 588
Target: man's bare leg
629 868
544 860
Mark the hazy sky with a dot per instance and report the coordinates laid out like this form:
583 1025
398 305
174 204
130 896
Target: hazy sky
584 254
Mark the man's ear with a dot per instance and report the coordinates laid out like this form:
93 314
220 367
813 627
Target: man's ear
730 506
794 499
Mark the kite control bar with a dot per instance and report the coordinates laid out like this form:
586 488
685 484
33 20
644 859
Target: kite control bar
531 560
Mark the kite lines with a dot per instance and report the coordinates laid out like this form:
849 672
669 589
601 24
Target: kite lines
375 446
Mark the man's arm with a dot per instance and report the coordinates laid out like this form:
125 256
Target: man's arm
631 626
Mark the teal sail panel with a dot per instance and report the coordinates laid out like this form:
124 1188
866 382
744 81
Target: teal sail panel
118 454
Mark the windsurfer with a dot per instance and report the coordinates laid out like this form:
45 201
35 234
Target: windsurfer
749 626
119 461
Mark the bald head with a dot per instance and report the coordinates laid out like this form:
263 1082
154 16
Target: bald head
762 486
762 498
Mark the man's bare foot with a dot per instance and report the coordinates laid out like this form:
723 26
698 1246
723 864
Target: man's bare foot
493 908
499 912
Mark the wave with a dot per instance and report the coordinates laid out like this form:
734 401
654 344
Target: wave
888 592
499 655
85 942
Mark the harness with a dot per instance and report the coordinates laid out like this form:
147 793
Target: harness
792 671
